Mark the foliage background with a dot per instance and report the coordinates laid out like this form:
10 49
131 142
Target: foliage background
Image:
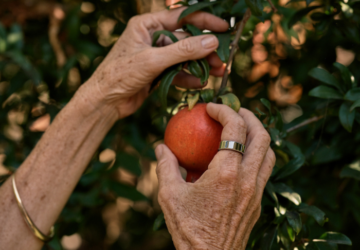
48 48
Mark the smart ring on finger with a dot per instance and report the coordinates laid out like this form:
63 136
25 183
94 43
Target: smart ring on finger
232 145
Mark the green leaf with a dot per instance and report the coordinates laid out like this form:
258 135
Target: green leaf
318 16
314 212
195 7
231 100
25 64
333 237
299 14
15 38
192 100
345 74
325 77
284 235
279 121
351 171
159 222
270 190
223 50
294 220
125 191
353 94
325 246
355 105
206 68
268 239
294 164
158 33
346 116
207 95
255 6
291 232
129 162
287 192
195 69
266 104
325 92
165 85
239 8
193 30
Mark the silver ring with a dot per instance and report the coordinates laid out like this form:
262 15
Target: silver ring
232 145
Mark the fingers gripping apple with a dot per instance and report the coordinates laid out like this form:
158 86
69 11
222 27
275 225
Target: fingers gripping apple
194 137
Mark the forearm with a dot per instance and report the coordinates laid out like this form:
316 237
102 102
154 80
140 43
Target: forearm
48 176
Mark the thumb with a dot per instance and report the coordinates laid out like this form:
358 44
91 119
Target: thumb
167 170
191 48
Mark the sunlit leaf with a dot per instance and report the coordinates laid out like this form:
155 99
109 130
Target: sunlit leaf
287 192
231 100
333 237
192 100
294 220
351 171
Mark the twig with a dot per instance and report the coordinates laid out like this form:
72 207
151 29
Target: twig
304 123
272 6
234 47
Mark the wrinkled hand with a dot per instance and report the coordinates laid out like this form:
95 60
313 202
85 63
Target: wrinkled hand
220 209
123 79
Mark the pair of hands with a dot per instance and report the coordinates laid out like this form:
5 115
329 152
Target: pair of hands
221 208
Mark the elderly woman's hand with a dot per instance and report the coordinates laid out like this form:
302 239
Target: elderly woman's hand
123 79
220 209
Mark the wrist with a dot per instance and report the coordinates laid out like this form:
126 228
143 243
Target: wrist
88 103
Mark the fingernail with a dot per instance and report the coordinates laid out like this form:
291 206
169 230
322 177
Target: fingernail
209 42
158 152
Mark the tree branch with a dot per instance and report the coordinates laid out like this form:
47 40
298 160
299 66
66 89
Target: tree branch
272 6
234 47
304 123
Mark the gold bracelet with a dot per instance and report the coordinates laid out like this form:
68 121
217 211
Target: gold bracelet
27 218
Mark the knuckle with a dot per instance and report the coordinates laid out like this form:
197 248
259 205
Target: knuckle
248 190
228 176
240 123
134 20
265 137
185 46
